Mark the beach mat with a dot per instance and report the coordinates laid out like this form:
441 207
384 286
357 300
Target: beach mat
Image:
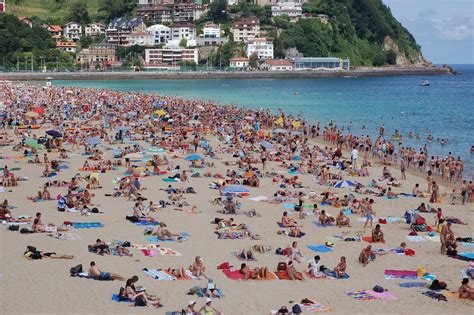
400 274
434 238
159 274
332 274
87 225
362 295
368 239
415 238
145 223
413 285
115 298
315 307
319 248
468 255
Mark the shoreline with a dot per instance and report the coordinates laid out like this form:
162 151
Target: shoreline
171 75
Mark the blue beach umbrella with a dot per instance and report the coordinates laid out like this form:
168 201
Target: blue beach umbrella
345 183
54 133
193 157
266 144
94 140
296 158
235 189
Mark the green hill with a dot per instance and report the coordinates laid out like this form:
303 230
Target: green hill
54 9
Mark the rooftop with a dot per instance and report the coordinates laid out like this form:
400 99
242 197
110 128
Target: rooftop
279 62
240 59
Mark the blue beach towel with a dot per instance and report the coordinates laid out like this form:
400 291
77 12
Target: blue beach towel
318 224
145 223
115 298
413 285
467 255
169 180
319 248
184 235
347 212
87 225
332 273
289 206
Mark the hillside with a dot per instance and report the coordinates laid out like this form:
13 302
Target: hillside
363 30
55 9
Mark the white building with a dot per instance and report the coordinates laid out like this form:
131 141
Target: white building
72 31
239 63
141 39
246 29
292 8
182 30
321 63
262 47
94 29
277 65
211 30
67 46
170 55
161 33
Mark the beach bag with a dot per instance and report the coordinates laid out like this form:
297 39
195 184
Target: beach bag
409 252
382 221
140 301
296 309
75 270
190 190
378 289
14 227
126 244
281 266
421 272
95 210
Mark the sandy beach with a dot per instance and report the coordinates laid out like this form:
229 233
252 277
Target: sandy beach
46 287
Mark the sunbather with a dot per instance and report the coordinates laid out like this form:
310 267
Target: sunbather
287 222
340 269
377 234
33 254
325 219
94 272
198 268
342 220
366 255
465 290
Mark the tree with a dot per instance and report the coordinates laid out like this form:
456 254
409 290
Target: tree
282 21
218 11
379 60
110 9
78 12
253 61
183 42
86 41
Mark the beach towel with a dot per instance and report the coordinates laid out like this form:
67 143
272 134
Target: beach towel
415 238
315 307
332 274
163 251
319 225
258 198
362 295
149 252
335 238
148 246
183 235
386 295
66 236
368 239
159 274
469 256
299 236
435 295
434 238
401 274
468 245
395 220
145 223
237 255
170 180
87 225
413 285
319 248
116 298
288 206
347 212
202 293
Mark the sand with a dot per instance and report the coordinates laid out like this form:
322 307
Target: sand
45 287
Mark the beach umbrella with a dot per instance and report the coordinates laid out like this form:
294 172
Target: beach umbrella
193 157
235 189
54 133
94 140
160 112
345 183
134 156
123 128
39 110
32 114
296 158
266 145
279 130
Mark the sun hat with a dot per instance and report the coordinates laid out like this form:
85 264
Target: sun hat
191 302
208 300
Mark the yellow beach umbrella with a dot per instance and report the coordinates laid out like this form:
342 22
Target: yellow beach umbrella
279 121
296 124
160 112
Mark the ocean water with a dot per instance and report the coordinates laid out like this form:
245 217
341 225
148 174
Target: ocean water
445 108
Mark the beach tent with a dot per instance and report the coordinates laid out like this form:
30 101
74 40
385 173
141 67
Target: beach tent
345 183
266 145
193 157
94 140
235 189
54 133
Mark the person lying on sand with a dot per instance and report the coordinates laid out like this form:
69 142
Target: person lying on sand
256 273
32 253
325 219
94 272
163 233
100 247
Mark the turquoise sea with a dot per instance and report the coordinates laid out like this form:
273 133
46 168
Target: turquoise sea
445 108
